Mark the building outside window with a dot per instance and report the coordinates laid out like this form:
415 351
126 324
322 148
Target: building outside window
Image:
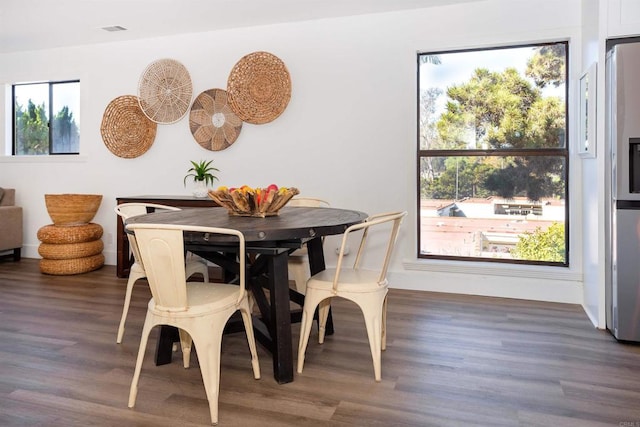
492 154
46 118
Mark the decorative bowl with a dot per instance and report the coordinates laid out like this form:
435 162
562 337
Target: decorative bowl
72 209
256 202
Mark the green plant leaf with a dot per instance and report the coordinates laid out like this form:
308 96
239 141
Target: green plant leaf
202 171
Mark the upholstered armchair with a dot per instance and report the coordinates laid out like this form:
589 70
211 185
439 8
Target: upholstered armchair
10 223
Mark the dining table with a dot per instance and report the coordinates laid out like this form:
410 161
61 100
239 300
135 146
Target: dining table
269 242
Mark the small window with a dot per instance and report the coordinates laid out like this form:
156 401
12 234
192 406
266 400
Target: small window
46 118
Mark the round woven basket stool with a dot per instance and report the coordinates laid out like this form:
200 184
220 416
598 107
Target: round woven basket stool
72 234
72 244
70 250
65 267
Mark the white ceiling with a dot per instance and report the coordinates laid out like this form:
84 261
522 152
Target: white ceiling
43 24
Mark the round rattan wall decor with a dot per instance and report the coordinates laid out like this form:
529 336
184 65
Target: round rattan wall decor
165 91
212 122
125 130
259 87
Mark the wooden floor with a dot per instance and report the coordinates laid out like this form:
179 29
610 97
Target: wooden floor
451 360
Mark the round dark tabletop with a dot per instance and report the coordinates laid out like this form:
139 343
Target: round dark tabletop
292 222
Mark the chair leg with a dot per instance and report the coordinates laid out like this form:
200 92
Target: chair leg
384 324
205 272
207 337
311 301
185 344
372 311
146 329
133 277
245 310
323 315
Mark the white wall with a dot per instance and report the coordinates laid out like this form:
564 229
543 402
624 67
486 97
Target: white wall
592 210
348 134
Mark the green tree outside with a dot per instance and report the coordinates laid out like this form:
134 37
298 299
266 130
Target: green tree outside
542 245
32 130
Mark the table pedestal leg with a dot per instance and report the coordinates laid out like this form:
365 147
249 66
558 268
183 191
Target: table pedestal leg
280 318
168 335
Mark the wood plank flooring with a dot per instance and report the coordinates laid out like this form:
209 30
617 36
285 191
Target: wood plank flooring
451 360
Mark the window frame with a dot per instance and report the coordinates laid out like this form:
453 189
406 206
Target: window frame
51 85
561 152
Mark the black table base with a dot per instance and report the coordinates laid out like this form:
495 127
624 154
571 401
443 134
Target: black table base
267 271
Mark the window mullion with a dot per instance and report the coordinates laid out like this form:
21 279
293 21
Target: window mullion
49 118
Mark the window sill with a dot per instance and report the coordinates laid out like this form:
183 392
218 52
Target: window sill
71 158
491 269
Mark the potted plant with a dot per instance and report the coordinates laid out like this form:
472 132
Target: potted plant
202 174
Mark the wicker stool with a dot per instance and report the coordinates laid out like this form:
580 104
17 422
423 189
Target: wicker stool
67 250
71 245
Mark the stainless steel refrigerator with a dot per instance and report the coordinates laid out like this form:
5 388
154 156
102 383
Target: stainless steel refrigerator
623 133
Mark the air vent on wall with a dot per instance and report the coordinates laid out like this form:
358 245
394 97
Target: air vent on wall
113 28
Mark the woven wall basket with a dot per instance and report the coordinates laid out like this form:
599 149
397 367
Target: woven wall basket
125 129
212 122
165 91
259 88
73 234
70 250
64 267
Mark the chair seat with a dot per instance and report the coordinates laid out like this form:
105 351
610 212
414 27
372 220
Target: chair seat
350 280
203 298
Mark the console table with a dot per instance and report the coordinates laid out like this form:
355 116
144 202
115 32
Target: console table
123 260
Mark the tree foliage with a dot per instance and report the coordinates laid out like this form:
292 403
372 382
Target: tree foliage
470 172
494 105
65 133
542 245
547 65
32 130
503 110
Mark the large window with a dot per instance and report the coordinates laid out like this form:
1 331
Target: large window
46 118
492 154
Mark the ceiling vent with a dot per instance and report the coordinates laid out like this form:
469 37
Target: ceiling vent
114 28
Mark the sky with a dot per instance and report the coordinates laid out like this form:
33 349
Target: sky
457 67
64 95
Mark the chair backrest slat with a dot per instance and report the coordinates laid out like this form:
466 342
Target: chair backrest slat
373 221
310 202
163 256
128 210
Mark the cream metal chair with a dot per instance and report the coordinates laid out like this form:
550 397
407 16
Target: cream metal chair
299 259
367 288
194 264
200 310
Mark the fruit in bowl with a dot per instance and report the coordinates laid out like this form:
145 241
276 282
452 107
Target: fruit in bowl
250 201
